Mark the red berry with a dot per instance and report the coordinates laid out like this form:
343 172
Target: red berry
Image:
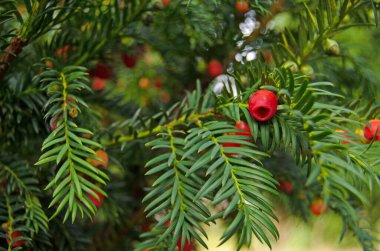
130 60
241 6
285 186
102 70
229 144
63 52
15 234
97 202
102 155
98 84
317 207
263 105
71 100
144 83
370 131
241 125
49 64
214 68
165 3
157 83
188 246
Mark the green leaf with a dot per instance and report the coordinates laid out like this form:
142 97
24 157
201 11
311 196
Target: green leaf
61 153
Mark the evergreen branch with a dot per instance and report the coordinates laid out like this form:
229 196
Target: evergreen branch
67 147
114 28
13 176
18 178
344 178
35 215
202 161
44 14
181 215
236 179
317 24
233 176
10 209
23 116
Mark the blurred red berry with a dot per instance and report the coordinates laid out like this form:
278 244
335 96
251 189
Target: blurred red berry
370 131
157 83
317 207
214 68
49 64
285 186
98 84
188 246
15 234
130 61
230 144
241 6
97 163
102 70
165 3
241 125
144 83
71 100
63 52
97 202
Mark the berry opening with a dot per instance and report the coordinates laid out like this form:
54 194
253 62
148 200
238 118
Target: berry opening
262 112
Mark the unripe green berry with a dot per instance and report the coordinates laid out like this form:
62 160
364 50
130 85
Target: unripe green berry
331 47
291 65
346 19
307 70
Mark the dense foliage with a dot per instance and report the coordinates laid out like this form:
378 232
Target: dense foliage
133 124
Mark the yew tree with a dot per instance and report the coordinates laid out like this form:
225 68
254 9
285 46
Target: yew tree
134 124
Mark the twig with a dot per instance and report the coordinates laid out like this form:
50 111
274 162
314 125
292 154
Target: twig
14 48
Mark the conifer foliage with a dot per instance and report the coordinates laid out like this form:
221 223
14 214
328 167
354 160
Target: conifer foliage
142 122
